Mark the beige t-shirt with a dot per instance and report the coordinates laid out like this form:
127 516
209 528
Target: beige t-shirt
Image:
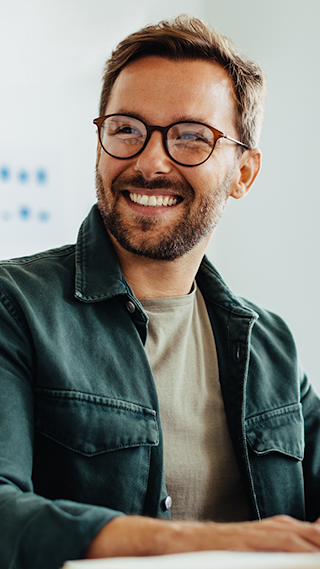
202 475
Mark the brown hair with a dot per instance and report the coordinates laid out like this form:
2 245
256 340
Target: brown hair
184 38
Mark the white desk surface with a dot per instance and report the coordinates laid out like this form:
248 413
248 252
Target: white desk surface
205 560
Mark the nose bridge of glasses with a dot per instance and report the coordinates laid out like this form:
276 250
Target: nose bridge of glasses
151 129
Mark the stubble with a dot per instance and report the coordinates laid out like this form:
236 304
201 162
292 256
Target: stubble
197 221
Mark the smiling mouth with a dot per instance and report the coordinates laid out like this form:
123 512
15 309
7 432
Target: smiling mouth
153 200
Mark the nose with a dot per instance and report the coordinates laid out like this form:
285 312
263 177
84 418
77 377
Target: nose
154 160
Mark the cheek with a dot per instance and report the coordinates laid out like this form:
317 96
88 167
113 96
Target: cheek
212 174
102 160
98 156
110 168
202 182
106 167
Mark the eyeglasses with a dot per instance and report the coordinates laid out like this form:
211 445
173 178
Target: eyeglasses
187 143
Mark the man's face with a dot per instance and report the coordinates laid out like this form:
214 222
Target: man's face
160 92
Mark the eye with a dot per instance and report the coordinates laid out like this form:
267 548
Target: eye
123 135
192 137
123 127
187 136
127 130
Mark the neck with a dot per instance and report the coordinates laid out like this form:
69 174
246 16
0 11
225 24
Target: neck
150 278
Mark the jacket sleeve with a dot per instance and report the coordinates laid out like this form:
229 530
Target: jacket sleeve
311 463
34 532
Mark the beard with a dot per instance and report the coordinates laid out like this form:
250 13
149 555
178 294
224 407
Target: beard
201 215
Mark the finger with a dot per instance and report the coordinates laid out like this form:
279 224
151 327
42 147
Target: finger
285 525
271 535
275 540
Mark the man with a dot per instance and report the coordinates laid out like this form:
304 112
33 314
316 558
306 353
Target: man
131 377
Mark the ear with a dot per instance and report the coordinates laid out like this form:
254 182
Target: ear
246 172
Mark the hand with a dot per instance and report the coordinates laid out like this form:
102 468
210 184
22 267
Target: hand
279 533
139 536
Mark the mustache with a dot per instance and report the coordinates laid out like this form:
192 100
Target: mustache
181 188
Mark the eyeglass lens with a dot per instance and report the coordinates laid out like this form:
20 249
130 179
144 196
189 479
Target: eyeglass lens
187 143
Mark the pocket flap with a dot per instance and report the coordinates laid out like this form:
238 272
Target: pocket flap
281 430
91 424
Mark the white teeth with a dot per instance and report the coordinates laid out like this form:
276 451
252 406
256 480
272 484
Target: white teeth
144 200
152 200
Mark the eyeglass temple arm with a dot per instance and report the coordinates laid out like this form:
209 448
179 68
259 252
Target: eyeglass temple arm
236 141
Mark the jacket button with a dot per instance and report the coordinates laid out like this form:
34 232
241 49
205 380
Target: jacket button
167 503
130 306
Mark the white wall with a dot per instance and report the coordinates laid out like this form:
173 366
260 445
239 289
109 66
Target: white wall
267 245
51 58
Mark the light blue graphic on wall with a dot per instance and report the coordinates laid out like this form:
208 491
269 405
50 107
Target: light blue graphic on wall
10 179
32 200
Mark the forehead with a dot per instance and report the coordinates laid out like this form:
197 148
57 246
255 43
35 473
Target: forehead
162 91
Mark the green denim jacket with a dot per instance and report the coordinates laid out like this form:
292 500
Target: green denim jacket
80 430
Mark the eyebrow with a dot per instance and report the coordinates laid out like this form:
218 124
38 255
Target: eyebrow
180 118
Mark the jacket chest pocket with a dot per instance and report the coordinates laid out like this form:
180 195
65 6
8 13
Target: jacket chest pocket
93 449
276 449
281 430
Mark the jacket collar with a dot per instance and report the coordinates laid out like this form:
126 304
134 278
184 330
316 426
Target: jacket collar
99 277
215 290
